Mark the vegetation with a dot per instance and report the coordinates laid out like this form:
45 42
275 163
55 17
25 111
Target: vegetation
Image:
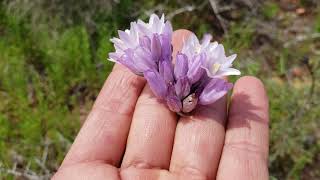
53 64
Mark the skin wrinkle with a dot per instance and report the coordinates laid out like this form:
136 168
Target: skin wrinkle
242 119
146 174
198 144
152 129
149 115
148 101
199 130
111 111
89 158
109 135
88 170
246 157
103 129
188 171
246 146
147 137
141 164
117 88
249 162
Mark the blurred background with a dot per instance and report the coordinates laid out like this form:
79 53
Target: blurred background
53 62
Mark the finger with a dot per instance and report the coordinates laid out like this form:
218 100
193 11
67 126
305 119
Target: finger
89 170
104 134
198 142
152 130
245 152
152 174
146 174
151 134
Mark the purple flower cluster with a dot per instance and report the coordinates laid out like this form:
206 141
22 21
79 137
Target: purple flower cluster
194 79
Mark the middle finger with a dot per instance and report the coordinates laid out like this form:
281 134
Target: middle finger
198 142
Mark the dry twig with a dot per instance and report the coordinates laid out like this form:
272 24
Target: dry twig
215 8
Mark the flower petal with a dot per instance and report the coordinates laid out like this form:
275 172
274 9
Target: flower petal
124 36
156 83
228 72
126 60
167 30
182 87
155 47
206 40
228 61
145 42
166 49
214 90
143 58
174 103
190 45
181 67
195 71
166 71
113 56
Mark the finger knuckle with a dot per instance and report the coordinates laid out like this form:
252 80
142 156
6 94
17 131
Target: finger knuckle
248 148
189 172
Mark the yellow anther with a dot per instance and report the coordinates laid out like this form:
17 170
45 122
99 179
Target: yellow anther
215 67
197 49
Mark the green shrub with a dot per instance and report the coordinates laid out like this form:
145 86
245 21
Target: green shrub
270 9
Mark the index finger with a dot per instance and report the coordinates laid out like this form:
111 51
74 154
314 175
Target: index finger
104 133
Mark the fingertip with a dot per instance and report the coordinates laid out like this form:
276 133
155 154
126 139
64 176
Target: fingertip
178 37
181 33
250 79
249 83
251 88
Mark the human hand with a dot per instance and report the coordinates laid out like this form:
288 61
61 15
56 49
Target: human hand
130 135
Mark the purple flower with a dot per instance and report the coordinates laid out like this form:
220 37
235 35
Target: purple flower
141 47
216 63
194 79
157 83
214 90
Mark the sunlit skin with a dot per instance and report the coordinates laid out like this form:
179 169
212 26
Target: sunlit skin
131 135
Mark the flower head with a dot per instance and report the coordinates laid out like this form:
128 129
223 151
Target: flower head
217 64
194 80
142 46
185 85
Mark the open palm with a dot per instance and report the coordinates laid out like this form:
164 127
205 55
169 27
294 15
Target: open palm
129 134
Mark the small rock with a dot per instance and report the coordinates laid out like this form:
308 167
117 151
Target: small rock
297 71
301 11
